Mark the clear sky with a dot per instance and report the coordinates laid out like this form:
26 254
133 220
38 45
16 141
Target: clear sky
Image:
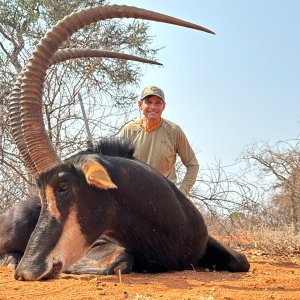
234 88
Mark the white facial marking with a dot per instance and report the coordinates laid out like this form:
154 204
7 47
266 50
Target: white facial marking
51 200
71 246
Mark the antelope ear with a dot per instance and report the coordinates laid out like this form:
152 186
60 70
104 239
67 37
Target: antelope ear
96 175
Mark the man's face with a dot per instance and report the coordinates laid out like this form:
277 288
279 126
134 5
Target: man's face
152 107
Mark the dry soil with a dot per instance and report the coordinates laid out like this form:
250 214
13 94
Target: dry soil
268 278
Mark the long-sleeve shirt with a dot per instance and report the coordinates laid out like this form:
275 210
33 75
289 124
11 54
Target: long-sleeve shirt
159 149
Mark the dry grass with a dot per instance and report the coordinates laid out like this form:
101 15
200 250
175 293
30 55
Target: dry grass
284 241
268 241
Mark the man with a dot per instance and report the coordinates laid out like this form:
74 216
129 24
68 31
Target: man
158 141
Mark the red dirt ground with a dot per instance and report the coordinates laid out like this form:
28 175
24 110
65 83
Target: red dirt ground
268 278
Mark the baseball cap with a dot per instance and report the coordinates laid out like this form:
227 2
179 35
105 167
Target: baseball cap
152 91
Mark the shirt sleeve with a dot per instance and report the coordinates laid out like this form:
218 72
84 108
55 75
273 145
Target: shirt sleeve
189 160
123 133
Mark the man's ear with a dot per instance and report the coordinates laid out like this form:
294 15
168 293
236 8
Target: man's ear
96 175
140 102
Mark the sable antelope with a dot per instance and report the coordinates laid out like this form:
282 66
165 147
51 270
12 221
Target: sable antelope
101 210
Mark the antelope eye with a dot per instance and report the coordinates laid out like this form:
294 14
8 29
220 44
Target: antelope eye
63 188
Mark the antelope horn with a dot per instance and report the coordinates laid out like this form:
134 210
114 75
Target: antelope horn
15 123
72 53
60 56
39 146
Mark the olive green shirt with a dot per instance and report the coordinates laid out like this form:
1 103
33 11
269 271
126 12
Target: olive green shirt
159 149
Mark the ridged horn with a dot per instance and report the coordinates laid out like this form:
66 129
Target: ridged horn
15 123
40 148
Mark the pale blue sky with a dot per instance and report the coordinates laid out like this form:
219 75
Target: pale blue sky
237 87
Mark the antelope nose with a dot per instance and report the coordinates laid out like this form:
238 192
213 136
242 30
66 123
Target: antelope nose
23 275
19 276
